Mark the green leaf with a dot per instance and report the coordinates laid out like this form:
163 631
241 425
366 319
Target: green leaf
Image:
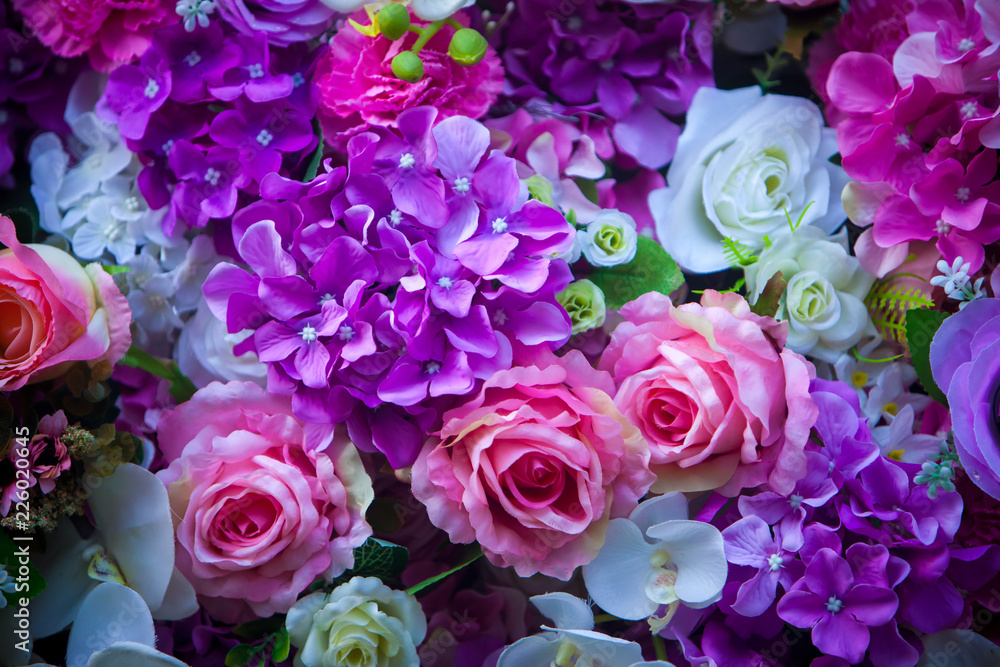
770 298
380 559
413 590
24 587
240 655
317 157
652 270
541 189
114 269
282 646
181 388
260 627
921 325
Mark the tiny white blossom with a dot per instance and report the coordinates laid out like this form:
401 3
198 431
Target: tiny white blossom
195 12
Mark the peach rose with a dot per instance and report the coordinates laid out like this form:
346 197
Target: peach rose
54 312
721 403
535 466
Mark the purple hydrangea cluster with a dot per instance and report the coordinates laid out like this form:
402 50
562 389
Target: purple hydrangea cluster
210 112
34 88
632 68
378 291
859 555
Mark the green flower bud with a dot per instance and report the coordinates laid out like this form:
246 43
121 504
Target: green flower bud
467 47
408 66
584 301
393 21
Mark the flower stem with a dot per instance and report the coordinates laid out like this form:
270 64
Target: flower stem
426 36
659 647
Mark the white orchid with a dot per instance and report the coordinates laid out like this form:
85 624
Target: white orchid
657 557
428 10
133 544
573 640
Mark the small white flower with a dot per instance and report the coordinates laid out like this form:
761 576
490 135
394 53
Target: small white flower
609 239
195 12
499 225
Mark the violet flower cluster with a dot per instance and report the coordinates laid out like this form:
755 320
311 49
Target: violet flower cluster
377 291
859 555
210 113
632 69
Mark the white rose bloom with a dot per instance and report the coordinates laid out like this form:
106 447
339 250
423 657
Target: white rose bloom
609 239
743 160
204 352
362 623
824 303
429 10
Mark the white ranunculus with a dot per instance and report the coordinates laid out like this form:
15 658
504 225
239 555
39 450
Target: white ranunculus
362 623
204 352
609 239
824 302
744 164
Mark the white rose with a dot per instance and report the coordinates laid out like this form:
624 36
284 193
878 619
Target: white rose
743 160
609 239
362 623
824 302
204 352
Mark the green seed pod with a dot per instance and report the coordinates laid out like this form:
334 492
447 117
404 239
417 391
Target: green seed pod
408 66
393 21
467 47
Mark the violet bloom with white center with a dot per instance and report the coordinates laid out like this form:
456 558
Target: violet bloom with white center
439 280
193 63
135 92
812 491
461 145
265 131
208 181
412 380
251 76
749 542
838 608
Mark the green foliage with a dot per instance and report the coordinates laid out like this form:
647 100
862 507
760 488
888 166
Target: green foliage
921 325
278 642
541 189
375 558
888 305
413 590
770 298
181 388
774 61
736 253
652 270
317 157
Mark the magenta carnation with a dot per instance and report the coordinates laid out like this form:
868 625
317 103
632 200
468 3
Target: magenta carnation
110 32
358 91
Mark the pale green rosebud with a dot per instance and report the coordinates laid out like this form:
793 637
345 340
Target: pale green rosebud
408 66
584 301
610 239
393 21
467 47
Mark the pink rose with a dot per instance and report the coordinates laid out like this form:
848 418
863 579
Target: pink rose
721 403
54 312
263 504
110 32
535 466
358 91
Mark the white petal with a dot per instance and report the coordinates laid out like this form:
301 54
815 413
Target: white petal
179 601
698 551
133 518
565 611
668 507
535 651
66 581
616 579
435 10
973 650
133 655
612 652
111 613
299 619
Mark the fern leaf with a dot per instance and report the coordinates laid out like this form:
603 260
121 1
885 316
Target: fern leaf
887 304
736 253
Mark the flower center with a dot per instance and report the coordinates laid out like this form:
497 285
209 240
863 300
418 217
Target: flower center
407 161
891 409
966 45
970 109
213 175
112 232
795 501
256 71
308 334
859 378
192 58
833 605
132 203
102 566
346 333
395 217
297 79
326 297
941 227
775 562
264 137
15 65
167 145
662 579
962 194
444 282
461 185
902 140
432 368
499 318
152 88
499 225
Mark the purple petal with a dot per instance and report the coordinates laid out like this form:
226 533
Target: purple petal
261 248
840 635
872 605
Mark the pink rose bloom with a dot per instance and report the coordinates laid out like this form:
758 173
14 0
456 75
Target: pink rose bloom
721 403
110 32
535 466
358 91
263 504
54 312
